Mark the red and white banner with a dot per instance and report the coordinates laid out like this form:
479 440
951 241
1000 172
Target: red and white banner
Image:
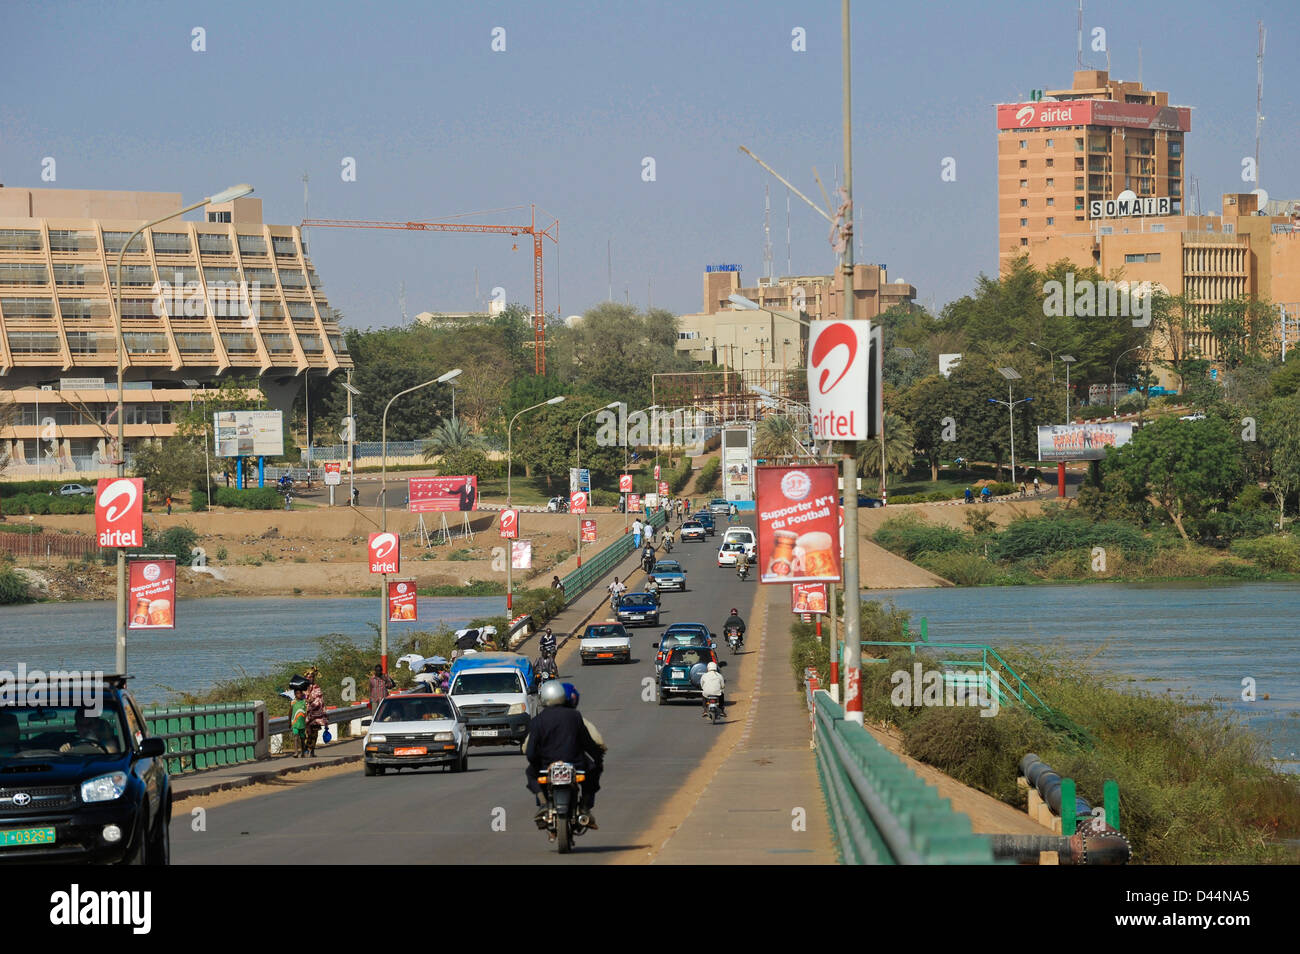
839 379
385 555
402 603
808 598
797 522
333 473
510 524
656 471
663 488
625 483
578 501
1088 112
433 494
633 502
588 531
521 554
153 594
119 512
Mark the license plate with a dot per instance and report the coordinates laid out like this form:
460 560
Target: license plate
412 750
679 673
26 836
491 732
604 655
637 616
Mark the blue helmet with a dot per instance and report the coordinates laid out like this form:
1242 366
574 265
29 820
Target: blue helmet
571 695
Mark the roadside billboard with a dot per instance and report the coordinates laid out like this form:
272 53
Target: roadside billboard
737 463
248 433
433 494
797 524
333 473
119 512
1058 442
588 531
808 598
153 594
579 479
403 606
384 553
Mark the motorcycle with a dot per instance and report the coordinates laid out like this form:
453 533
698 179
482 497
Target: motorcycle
735 638
742 571
668 544
561 785
712 708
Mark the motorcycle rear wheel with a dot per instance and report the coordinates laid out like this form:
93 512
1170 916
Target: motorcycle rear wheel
563 836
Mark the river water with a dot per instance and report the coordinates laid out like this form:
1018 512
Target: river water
1199 639
214 639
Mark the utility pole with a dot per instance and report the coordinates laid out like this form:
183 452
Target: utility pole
852 604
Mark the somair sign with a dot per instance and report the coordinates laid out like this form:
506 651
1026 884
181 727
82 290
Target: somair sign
844 380
384 555
119 512
1129 205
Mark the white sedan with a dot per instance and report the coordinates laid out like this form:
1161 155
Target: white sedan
730 552
415 730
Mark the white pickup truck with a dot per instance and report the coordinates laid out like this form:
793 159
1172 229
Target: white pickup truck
496 695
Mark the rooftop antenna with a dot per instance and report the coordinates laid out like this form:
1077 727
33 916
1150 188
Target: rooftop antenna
1139 64
789 269
767 232
1259 98
609 264
305 216
1080 34
401 299
478 303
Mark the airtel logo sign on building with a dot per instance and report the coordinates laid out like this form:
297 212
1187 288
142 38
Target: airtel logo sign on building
119 512
843 380
384 555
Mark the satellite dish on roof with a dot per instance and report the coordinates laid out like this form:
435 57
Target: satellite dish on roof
1263 199
1128 195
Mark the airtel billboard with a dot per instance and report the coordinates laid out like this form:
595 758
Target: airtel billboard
119 512
844 380
384 553
1093 112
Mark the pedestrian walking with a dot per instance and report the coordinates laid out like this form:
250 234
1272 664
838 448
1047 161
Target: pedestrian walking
169 505
298 723
1035 485
356 494
380 685
636 533
316 718
1024 488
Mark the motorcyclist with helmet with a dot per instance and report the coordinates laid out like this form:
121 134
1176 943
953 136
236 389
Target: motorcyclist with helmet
735 621
559 733
712 685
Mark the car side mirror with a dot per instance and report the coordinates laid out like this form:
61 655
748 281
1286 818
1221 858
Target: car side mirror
654 645
153 747
365 723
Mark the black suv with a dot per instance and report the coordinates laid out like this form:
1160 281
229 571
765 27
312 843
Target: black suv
79 781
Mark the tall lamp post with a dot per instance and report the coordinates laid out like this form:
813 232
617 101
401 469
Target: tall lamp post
383 512
227 195
1114 374
1067 359
1051 355
352 436
577 444
510 557
1012 375
627 454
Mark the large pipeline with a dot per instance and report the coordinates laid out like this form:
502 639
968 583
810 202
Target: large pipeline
1088 846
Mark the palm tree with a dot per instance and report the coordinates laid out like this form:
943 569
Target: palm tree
451 436
777 436
900 452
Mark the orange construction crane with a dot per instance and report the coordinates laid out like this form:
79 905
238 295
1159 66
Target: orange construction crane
551 231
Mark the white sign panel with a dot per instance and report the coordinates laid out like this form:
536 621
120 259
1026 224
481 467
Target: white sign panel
840 381
248 433
1121 207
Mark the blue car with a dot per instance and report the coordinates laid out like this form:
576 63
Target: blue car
705 518
681 634
669 575
865 501
638 609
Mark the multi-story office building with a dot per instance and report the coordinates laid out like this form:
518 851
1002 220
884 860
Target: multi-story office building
202 302
1061 157
752 340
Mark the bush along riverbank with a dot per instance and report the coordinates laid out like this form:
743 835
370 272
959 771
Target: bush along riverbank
1195 785
1064 545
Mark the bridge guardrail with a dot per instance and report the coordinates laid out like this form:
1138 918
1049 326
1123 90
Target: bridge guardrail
208 736
881 812
586 576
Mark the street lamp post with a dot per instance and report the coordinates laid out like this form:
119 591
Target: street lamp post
1051 356
510 434
1011 375
1114 375
352 436
227 195
1067 360
578 448
383 513
626 455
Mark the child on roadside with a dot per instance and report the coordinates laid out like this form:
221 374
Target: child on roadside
298 722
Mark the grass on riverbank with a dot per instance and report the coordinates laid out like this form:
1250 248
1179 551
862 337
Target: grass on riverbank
1195 785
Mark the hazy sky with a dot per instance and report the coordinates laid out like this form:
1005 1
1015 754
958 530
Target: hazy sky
439 123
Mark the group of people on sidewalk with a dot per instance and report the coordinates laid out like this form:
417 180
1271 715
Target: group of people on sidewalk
307 715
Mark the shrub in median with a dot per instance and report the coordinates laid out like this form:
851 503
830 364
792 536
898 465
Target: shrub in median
255 498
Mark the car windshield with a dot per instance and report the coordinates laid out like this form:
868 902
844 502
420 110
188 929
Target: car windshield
637 599
734 546
28 732
604 632
397 709
485 683
666 566
690 656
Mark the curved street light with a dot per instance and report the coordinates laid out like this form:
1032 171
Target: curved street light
226 195
510 556
1114 373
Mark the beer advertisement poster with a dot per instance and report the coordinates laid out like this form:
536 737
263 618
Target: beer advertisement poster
808 598
797 524
402 604
589 531
153 594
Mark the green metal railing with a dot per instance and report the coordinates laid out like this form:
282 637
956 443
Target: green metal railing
995 673
593 568
881 812
202 737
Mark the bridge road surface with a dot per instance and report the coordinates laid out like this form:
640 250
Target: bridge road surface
434 816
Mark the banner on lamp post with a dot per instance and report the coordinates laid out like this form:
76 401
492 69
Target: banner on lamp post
153 594
624 483
510 524
797 523
844 380
521 554
384 552
808 598
403 606
589 531
578 501
119 512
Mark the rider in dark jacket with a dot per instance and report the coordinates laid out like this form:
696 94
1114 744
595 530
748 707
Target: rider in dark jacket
558 734
735 620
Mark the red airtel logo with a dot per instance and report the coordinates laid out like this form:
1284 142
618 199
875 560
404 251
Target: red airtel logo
119 512
838 334
383 553
114 492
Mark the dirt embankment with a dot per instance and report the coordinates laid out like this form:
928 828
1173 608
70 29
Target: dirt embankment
322 552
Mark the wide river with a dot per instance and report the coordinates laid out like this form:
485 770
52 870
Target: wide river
215 638
1198 639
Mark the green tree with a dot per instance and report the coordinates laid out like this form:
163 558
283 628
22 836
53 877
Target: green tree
169 465
451 436
925 406
900 452
777 437
1279 440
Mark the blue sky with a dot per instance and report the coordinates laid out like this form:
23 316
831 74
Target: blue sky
440 124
